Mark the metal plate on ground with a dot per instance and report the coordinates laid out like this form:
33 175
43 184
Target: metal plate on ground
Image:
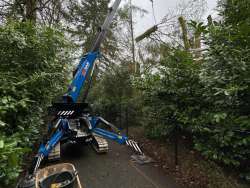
141 159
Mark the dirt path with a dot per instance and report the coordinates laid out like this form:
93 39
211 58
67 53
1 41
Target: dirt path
114 169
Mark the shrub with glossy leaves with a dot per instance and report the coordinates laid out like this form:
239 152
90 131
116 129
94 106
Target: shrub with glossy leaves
172 95
33 67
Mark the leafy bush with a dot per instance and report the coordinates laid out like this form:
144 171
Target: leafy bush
11 155
114 97
33 67
225 76
211 99
172 95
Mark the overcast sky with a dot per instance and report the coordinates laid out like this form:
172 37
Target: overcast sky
161 9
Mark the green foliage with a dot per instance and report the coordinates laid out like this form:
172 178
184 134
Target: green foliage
10 157
210 100
33 64
235 12
225 76
173 94
114 97
83 19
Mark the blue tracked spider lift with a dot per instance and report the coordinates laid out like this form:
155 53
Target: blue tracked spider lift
72 121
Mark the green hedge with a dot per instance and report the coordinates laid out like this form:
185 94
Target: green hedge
210 99
33 68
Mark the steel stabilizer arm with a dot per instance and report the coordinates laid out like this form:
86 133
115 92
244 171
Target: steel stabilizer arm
115 135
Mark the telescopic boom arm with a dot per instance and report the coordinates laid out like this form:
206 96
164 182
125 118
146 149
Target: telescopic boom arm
105 26
87 63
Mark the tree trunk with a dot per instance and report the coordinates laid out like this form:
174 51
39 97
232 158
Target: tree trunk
197 40
132 38
30 6
197 44
183 25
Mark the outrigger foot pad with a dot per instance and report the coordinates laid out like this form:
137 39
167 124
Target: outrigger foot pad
141 159
27 182
133 144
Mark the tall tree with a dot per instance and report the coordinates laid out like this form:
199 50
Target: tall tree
84 21
235 11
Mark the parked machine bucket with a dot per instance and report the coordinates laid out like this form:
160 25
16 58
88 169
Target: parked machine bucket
62 175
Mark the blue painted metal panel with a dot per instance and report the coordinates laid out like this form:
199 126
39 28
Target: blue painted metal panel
109 135
46 149
63 127
83 71
94 121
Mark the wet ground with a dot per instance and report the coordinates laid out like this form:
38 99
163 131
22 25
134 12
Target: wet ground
114 169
